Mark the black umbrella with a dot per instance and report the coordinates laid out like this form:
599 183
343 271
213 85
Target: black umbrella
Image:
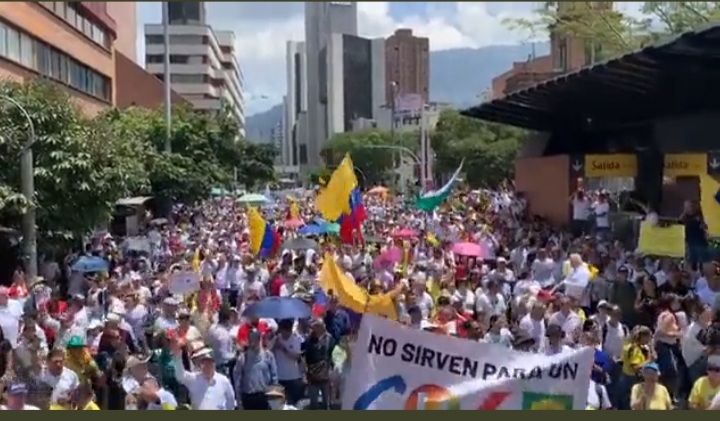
300 244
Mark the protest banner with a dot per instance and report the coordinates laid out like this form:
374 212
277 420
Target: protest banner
184 282
394 367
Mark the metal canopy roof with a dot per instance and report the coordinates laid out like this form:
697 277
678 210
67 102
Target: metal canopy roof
673 77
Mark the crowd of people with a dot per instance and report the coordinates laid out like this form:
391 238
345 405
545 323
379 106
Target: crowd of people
111 328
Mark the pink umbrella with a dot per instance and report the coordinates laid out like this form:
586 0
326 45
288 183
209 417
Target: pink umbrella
469 249
388 258
404 234
294 223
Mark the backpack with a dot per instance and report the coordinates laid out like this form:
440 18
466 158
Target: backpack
626 332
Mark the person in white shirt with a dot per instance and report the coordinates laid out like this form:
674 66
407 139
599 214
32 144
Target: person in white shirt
208 389
288 353
554 341
463 295
601 208
490 303
581 213
16 394
693 351
61 379
598 397
567 319
613 333
533 323
11 312
276 399
155 397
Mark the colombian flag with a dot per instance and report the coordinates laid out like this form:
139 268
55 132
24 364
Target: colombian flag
352 222
264 240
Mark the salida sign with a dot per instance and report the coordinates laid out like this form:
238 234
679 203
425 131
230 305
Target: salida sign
610 165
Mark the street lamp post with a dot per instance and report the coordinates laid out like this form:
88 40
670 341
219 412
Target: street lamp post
27 186
167 76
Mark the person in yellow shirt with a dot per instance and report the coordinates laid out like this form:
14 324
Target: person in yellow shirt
650 394
706 387
85 398
635 354
79 360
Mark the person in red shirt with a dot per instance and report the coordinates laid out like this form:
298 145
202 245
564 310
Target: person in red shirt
247 327
251 323
207 298
18 289
277 282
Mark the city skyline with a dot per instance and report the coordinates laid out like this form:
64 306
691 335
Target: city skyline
262 30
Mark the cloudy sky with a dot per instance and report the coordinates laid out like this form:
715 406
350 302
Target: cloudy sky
262 28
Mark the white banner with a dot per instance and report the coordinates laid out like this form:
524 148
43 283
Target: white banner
394 367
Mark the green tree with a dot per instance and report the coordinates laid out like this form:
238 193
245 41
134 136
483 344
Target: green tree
255 163
371 151
82 167
489 149
611 32
316 174
207 152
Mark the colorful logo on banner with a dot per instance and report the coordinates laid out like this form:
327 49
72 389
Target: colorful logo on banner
425 397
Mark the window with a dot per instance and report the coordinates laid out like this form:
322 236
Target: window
186 39
560 64
47 61
196 60
59 8
54 64
26 52
3 40
303 154
87 27
42 53
154 39
71 15
187 79
153 59
13 45
178 59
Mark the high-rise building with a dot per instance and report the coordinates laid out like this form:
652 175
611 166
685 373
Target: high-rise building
68 42
322 19
203 66
126 41
355 80
407 64
295 136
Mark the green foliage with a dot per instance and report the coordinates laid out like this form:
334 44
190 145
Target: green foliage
206 152
489 149
81 168
371 151
611 32
316 174
84 165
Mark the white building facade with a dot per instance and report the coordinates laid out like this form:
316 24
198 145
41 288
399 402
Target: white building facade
295 104
203 66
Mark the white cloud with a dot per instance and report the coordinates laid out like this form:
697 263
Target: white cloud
262 32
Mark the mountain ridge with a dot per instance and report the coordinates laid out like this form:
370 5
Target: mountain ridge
457 76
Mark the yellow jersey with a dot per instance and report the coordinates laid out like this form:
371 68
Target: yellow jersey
633 357
660 399
702 393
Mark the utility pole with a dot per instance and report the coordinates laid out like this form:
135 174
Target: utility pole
423 148
168 85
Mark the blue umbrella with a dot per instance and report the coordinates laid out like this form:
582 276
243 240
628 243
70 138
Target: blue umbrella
86 264
312 229
278 308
